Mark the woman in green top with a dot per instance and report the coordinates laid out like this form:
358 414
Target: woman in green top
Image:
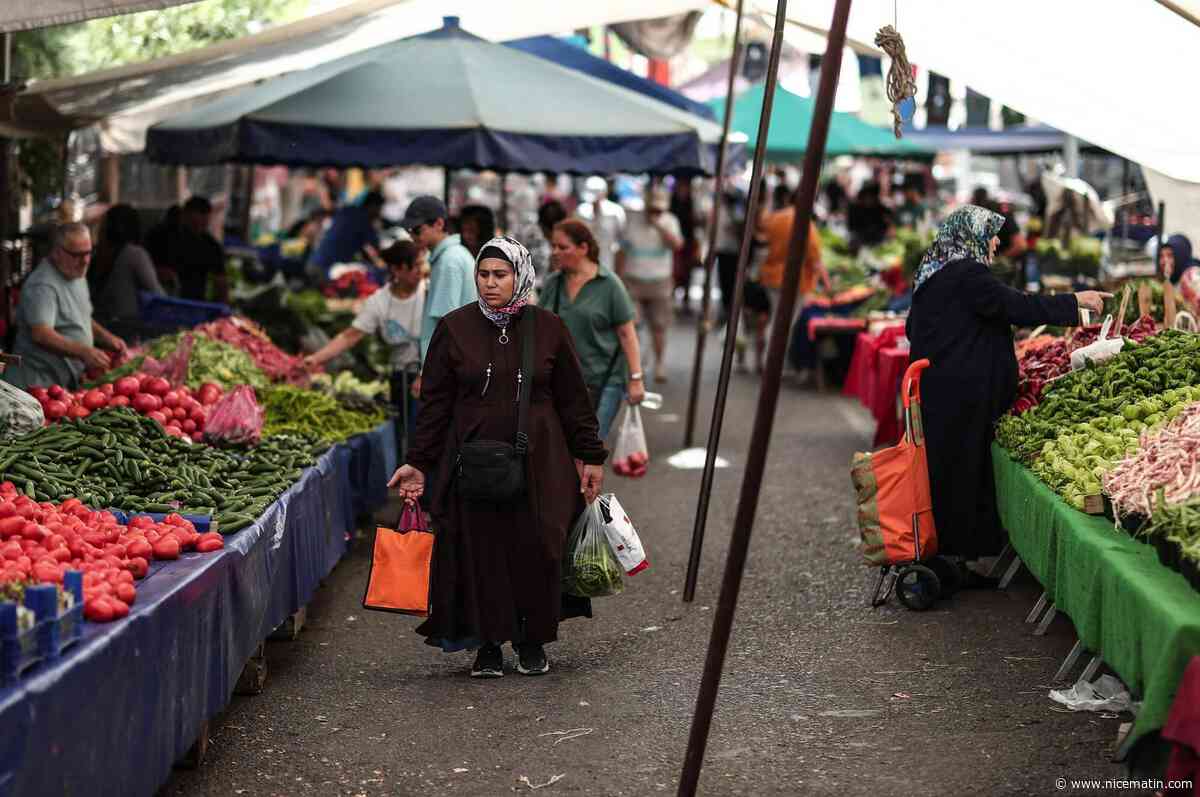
595 307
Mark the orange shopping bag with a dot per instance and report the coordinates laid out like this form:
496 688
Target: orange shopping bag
399 579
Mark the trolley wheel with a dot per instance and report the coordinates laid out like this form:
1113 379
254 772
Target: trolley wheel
917 587
949 574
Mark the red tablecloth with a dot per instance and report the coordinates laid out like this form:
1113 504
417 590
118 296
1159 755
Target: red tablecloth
826 324
874 379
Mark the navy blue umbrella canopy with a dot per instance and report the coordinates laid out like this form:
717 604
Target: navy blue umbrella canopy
572 56
445 98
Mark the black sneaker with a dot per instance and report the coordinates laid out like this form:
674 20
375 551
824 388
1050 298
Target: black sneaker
531 659
489 663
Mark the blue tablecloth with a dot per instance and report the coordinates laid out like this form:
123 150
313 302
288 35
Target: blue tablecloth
113 715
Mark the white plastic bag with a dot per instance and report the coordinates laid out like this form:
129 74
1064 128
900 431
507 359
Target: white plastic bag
20 413
631 456
589 568
1104 348
622 538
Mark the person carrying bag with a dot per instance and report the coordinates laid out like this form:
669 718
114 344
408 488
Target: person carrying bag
399 576
505 415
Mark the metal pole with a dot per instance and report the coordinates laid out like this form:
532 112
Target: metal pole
767 398
446 191
504 202
714 220
1162 236
735 314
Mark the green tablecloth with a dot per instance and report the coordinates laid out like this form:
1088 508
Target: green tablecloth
1142 618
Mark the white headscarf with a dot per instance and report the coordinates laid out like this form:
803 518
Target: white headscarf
510 250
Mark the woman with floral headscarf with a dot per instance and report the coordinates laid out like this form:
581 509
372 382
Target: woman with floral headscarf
496 568
961 320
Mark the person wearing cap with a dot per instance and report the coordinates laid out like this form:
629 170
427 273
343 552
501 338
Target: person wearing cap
646 263
452 268
351 229
605 218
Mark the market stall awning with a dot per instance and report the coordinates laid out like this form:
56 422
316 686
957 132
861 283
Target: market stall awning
126 100
791 118
445 98
572 56
1030 139
1109 73
18 15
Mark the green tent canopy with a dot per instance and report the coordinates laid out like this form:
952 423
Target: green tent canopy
791 118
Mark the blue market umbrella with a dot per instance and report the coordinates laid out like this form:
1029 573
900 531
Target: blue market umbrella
445 98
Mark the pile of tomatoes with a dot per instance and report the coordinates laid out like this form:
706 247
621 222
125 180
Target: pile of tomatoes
181 411
40 542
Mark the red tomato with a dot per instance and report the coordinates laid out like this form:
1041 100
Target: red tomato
139 547
191 405
167 547
197 437
56 392
171 399
157 416
180 413
198 415
120 608
127 592
209 393
79 411
145 403
98 610
54 410
127 386
108 389
143 379
188 425
40 394
139 566
208 546
142 522
119 401
95 399
158 386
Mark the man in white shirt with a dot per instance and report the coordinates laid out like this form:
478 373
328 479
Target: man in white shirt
646 263
605 217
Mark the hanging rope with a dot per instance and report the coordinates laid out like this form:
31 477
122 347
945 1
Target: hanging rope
900 83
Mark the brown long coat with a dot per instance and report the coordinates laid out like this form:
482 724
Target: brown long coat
496 569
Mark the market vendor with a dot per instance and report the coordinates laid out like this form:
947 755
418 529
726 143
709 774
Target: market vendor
961 320
394 313
352 228
56 334
1175 257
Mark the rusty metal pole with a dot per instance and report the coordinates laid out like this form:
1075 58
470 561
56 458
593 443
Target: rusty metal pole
714 220
735 314
767 399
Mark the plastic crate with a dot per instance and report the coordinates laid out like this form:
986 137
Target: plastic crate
168 311
66 629
20 650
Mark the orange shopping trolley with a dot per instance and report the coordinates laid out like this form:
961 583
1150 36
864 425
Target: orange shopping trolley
895 512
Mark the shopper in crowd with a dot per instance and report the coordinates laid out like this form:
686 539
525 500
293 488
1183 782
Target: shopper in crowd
1175 257
496 567
912 211
605 217
351 229
687 257
476 225
394 313
868 219
777 229
599 314
56 334
123 268
961 320
646 264
197 256
161 235
451 280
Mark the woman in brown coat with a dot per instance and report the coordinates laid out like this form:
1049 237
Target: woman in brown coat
496 568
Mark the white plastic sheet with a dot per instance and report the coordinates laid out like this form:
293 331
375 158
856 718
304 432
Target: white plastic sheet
18 15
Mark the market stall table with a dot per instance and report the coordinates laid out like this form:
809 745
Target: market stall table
874 379
1140 617
146 684
829 329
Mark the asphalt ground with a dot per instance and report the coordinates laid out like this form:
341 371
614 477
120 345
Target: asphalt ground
820 694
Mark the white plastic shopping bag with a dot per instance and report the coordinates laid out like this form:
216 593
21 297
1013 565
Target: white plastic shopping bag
631 457
590 570
622 538
1103 349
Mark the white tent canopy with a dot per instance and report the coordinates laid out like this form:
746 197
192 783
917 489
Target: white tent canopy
125 101
1098 69
29 14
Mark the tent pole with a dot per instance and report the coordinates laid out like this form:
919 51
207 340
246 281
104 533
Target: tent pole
504 202
735 306
714 221
446 190
768 397
1162 236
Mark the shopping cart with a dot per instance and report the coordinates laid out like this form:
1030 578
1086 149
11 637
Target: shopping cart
895 512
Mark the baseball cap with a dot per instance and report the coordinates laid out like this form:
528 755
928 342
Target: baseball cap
423 210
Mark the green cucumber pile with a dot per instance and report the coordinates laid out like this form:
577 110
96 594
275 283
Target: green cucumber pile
119 459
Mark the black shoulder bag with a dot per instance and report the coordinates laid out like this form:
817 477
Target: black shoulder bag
594 391
492 471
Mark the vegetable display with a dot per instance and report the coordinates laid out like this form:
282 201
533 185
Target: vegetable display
116 458
179 411
1163 472
236 419
244 334
212 361
292 410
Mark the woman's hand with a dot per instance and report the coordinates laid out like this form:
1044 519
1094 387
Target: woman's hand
1092 300
636 390
409 482
593 479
